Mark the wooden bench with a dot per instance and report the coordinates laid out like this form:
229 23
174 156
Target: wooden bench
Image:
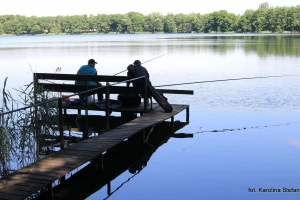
49 82
66 84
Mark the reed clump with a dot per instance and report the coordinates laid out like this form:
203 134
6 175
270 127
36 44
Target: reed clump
23 133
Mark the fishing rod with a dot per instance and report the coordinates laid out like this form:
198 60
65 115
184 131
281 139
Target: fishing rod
232 79
142 63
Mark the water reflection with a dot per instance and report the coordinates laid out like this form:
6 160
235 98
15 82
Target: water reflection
262 45
132 155
223 159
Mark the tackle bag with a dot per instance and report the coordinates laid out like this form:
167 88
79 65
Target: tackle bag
130 100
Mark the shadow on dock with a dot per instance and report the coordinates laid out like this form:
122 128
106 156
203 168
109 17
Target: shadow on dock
132 155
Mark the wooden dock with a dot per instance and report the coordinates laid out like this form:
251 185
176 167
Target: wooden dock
40 175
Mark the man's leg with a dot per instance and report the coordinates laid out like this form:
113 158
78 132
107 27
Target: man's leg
100 96
81 96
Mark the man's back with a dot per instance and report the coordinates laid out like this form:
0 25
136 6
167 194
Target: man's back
86 70
141 71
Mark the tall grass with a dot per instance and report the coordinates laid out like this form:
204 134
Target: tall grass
23 133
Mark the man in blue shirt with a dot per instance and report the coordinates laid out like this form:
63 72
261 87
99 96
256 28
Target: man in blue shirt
89 70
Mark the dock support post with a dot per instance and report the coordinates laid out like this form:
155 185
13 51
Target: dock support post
85 134
61 128
172 124
50 191
144 140
108 189
188 114
107 107
101 162
96 166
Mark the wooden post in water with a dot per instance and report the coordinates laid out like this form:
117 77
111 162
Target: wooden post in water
86 129
61 128
50 191
188 114
107 107
108 189
172 124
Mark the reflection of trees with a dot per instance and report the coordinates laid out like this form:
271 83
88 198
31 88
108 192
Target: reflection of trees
263 45
277 45
274 45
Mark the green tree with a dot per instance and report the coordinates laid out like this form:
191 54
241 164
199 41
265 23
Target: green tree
291 19
297 21
222 21
136 22
127 24
1 29
154 22
13 27
208 23
281 16
56 25
258 20
36 29
102 23
116 23
196 23
169 24
75 24
183 23
264 6
270 20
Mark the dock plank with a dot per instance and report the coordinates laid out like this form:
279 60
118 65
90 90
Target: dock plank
7 196
44 172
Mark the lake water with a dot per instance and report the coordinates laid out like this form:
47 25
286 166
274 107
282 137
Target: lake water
246 132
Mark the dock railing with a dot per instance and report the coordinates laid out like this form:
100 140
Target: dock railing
106 87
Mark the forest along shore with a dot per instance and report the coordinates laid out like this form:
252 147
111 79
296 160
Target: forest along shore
264 19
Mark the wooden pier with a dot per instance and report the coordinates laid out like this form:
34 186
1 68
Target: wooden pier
39 176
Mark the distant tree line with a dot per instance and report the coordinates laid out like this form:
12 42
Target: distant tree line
265 18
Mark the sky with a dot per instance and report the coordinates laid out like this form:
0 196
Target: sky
80 7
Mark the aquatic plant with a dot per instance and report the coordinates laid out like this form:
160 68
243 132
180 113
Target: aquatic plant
23 133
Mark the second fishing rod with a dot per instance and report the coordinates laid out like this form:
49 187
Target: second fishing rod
142 63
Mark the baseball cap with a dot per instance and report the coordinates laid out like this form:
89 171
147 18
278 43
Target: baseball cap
91 61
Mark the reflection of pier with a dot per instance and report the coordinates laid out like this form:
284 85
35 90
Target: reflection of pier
39 176
131 155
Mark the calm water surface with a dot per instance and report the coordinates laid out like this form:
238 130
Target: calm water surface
246 133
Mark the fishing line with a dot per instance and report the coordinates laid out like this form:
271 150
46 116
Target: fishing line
123 183
244 128
232 79
142 63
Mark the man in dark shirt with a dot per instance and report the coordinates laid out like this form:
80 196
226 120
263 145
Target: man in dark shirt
137 70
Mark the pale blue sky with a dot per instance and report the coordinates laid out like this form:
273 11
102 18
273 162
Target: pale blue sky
79 7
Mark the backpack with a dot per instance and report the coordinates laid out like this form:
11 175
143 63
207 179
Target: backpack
130 100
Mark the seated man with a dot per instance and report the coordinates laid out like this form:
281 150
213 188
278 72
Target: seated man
137 70
89 70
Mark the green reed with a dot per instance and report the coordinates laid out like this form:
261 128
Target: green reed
23 133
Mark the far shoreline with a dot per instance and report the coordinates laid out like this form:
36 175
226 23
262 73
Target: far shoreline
145 33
